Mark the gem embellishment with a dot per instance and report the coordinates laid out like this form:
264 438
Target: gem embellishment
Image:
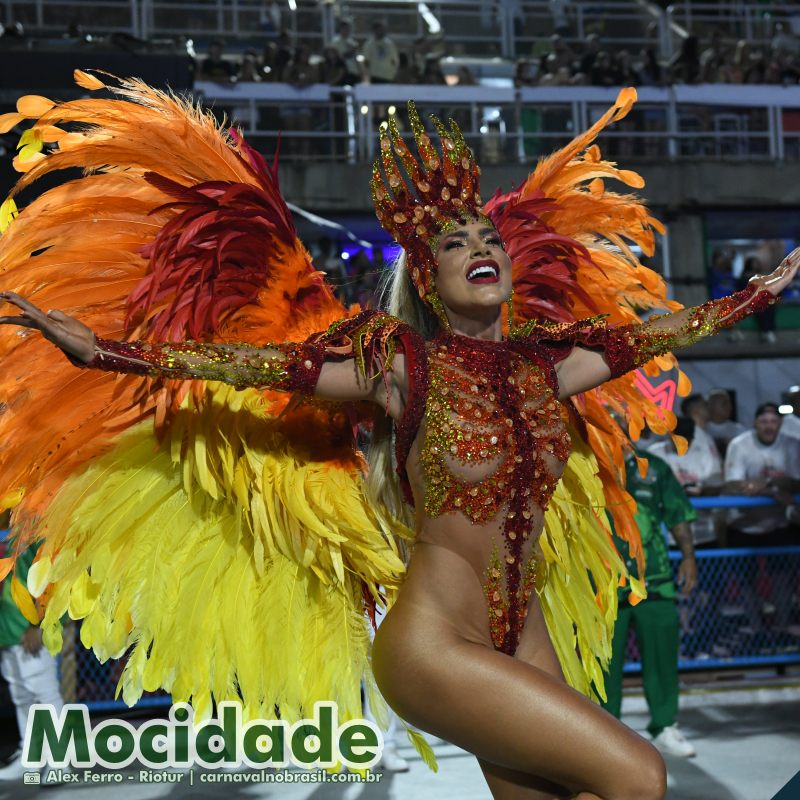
466 429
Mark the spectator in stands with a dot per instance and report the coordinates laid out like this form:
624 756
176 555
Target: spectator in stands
331 69
346 46
765 321
381 55
757 68
660 500
685 65
216 67
790 423
283 55
736 69
555 75
764 461
604 72
790 69
300 72
648 70
428 46
525 73
249 71
268 58
561 52
464 76
591 48
784 41
698 470
712 58
695 406
723 282
626 74
432 75
721 426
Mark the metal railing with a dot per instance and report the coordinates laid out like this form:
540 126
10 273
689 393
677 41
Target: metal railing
483 26
753 22
519 125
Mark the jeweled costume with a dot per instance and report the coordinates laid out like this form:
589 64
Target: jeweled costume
223 538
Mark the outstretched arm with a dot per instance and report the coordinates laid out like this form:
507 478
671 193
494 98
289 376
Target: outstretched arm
626 347
293 367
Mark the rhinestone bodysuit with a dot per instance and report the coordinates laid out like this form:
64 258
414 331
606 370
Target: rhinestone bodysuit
495 441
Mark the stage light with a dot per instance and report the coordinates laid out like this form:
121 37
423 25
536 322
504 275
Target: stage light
391 111
345 255
786 409
365 110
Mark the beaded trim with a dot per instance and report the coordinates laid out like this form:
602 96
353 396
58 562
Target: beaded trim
296 369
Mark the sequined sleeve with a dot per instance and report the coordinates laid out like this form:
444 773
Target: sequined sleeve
626 347
285 366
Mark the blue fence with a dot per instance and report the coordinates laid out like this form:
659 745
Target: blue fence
745 611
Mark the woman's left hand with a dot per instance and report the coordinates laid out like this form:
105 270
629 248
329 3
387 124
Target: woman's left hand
783 275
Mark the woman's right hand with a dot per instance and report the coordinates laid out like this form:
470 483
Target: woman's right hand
65 332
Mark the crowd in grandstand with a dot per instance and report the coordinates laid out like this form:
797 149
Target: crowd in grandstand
559 61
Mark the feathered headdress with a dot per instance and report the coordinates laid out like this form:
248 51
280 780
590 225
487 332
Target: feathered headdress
438 191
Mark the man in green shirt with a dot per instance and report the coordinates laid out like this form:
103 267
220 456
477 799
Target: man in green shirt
660 500
25 663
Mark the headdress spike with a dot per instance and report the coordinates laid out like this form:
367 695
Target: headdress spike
440 192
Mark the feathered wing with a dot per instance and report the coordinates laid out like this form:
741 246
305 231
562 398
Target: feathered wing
570 240
221 538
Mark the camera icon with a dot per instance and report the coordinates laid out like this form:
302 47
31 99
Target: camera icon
31 777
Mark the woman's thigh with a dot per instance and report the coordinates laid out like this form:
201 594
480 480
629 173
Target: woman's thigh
536 649
511 713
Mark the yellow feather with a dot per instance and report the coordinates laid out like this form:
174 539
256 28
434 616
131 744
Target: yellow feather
23 600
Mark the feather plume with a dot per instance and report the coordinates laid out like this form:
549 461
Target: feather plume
565 232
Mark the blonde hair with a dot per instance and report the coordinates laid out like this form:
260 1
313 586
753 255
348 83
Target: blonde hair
396 294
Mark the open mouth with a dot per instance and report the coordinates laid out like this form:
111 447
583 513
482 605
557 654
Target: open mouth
484 272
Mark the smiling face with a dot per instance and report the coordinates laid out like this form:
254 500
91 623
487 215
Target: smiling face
768 426
473 276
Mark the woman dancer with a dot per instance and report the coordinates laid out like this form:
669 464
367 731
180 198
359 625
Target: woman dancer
481 444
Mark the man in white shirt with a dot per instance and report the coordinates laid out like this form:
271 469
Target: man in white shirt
381 55
763 461
720 426
347 47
